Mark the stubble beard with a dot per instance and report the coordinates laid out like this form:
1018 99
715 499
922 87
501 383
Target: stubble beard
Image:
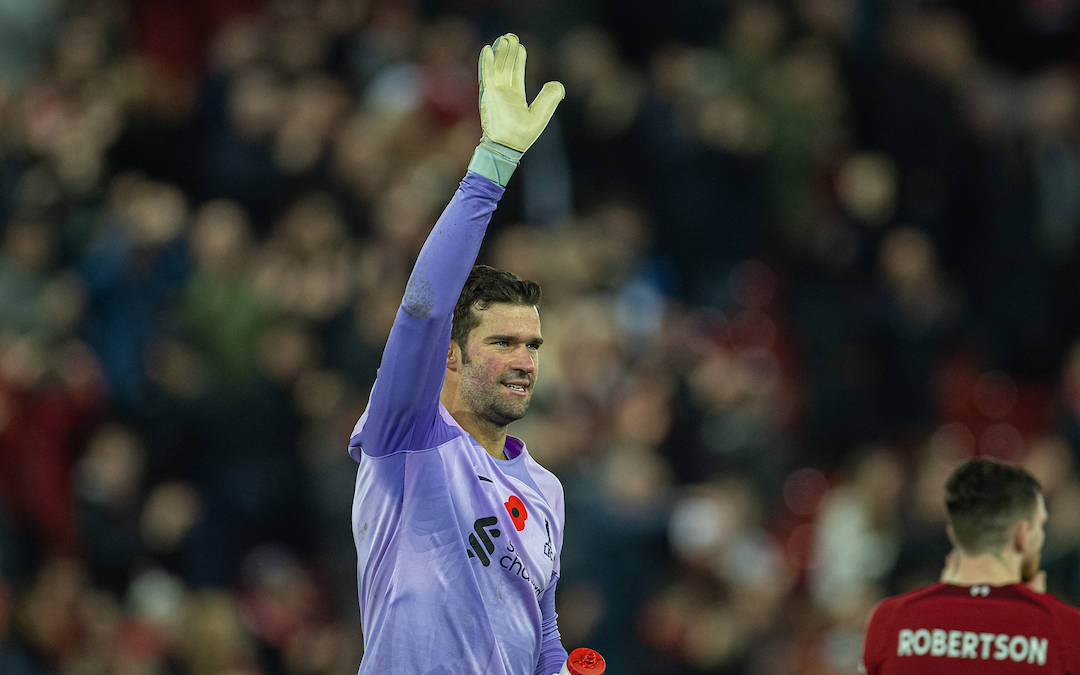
488 401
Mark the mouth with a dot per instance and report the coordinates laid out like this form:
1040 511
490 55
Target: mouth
517 388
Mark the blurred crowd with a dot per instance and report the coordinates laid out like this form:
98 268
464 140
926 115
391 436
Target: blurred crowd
800 258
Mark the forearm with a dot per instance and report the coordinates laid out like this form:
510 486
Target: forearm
552 652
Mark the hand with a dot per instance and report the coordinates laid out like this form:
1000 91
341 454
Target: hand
505 117
1037 583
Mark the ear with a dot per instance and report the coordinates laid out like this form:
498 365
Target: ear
952 535
1019 533
453 356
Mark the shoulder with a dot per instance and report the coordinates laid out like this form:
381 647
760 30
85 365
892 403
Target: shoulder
547 481
876 634
899 602
888 608
1063 613
884 608
886 614
1066 621
883 612
422 434
543 477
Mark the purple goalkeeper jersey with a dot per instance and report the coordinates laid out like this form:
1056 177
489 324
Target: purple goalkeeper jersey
458 552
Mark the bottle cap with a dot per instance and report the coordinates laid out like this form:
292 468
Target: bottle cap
585 661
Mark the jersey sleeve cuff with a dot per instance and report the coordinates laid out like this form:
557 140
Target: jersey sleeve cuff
494 162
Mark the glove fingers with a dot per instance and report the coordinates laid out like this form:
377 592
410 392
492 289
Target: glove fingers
543 106
519 71
485 67
505 50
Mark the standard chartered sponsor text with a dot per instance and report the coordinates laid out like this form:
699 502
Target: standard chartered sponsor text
965 644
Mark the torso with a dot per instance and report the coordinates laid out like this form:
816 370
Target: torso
454 549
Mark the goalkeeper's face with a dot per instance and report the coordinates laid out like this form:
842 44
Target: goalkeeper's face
500 362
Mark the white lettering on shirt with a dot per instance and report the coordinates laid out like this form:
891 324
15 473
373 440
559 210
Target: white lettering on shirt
1000 650
971 641
954 643
964 644
922 641
1037 650
903 645
938 647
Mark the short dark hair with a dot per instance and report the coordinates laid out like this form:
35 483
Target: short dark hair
484 287
984 498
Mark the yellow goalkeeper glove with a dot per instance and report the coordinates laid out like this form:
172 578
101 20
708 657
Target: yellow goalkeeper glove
510 125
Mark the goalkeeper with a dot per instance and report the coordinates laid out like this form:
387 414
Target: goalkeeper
457 529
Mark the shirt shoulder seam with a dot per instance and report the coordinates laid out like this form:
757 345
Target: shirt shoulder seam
448 441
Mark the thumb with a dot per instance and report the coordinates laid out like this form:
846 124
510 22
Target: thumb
1037 583
543 106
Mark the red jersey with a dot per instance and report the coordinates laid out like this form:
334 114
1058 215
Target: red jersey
961 630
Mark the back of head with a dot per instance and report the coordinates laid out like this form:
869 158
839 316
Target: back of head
984 499
484 287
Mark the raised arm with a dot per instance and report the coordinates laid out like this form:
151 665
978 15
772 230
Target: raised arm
402 409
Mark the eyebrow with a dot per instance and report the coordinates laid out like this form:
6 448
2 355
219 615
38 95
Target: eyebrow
513 338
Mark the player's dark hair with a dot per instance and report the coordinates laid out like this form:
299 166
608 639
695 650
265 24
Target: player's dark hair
485 287
984 498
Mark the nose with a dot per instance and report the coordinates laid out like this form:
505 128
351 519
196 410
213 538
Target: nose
524 359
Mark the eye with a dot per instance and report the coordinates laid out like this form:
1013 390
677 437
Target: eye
534 346
501 343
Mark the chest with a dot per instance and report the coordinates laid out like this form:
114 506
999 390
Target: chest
506 523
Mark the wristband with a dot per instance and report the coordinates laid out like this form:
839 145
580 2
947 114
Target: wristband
494 161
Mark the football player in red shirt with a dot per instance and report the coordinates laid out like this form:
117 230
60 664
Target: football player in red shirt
990 613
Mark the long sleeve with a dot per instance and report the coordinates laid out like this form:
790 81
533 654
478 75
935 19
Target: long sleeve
552 652
403 408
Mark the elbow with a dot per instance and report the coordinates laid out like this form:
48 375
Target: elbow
419 299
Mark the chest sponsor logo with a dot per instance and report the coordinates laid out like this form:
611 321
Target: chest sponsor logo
482 542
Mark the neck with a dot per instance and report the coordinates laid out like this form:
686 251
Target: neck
489 435
986 568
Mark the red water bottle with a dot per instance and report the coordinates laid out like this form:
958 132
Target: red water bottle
583 661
